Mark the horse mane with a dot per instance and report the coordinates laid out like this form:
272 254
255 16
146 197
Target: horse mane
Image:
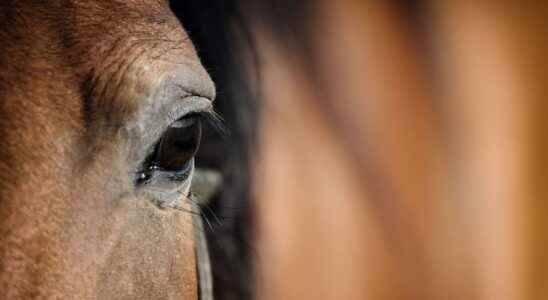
219 35
221 32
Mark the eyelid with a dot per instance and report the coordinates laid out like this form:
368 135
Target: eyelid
148 127
183 123
190 105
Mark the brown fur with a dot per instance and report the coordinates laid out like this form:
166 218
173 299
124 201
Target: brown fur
403 158
73 75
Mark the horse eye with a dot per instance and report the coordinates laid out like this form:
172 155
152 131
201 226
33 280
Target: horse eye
179 145
174 152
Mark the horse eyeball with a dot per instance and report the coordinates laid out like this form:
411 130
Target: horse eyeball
179 144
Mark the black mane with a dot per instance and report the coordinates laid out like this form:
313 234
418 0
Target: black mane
219 35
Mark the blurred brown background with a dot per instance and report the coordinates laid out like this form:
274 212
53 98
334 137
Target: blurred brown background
402 151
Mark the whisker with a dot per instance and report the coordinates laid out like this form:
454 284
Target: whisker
215 121
185 210
208 223
191 199
206 206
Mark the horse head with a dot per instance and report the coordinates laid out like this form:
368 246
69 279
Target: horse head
101 104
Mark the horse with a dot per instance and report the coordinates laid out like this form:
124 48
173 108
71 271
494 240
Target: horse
101 112
397 152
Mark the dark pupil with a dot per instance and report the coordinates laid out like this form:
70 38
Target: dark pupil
178 145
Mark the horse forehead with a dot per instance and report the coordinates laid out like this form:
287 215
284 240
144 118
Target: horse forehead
102 22
145 7
106 56
95 36
126 48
